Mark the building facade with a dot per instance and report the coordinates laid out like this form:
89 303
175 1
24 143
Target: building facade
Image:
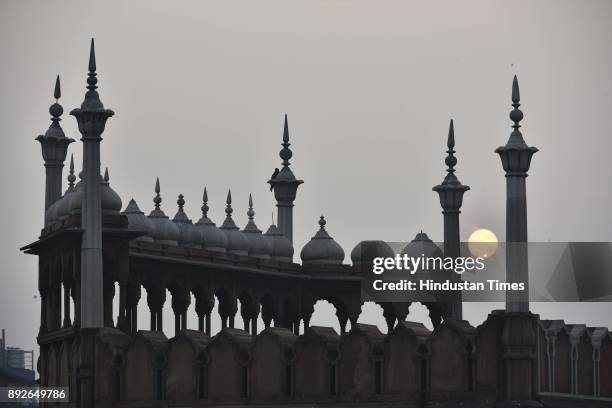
90 244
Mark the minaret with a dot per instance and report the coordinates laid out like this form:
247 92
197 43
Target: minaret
451 197
54 146
285 187
516 158
91 118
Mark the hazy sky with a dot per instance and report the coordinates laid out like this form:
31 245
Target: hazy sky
200 89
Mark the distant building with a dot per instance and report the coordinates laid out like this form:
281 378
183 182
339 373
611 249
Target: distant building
16 365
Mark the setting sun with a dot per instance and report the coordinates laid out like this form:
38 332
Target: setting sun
483 242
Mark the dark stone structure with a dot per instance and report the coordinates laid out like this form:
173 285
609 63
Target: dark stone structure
88 247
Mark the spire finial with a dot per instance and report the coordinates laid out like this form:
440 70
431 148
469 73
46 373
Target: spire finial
516 95
58 92
516 115
322 222
228 208
204 207
451 160
71 176
157 200
180 202
56 111
285 152
251 212
92 80
273 218
106 178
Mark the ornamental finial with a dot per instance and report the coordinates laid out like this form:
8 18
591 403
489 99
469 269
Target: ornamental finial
106 178
251 212
57 93
451 160
56 110
228 201
516 115
322 222
92 80
71 176
180 202
285 152
157 200
204 207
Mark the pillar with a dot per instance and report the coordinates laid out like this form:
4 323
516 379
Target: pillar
451 198
285 185
91 118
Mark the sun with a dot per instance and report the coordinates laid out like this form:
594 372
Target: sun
483 242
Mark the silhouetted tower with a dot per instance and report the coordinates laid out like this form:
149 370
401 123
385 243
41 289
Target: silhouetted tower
451 198
516 158
54 144
91 118
285 187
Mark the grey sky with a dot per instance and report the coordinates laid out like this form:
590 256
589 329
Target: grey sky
200 88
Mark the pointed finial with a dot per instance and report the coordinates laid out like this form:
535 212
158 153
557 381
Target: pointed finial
180 202
228 208
516 95
285 152
157 200
71 176
204 207
286 131
273 218
58 92
106 178
451 135
251 212
516 115
92 80
56 111
451 160
322 222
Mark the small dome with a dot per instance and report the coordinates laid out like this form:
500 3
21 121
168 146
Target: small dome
365 252
282 249
51 214
138 221
421 245
259 245
237 242
109 199
215 240
189 235
164 230
322 249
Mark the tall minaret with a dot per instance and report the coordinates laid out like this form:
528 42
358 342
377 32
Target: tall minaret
91 118
285 187
516 158
54 146
451 197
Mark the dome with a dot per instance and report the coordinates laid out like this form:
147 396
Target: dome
237 242
322 249
366 251
214 239
421 245
259 245
51 213
282 249
189 235
109 199
138 221
164 230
